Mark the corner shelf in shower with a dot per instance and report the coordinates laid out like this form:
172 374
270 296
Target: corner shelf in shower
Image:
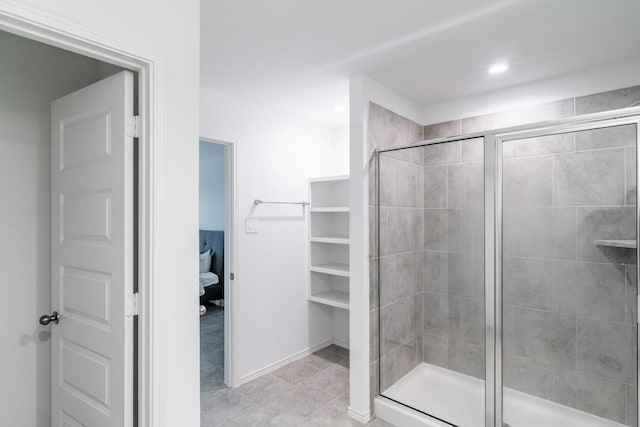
626 244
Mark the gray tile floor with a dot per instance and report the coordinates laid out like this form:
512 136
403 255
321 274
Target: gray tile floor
212 350
311 392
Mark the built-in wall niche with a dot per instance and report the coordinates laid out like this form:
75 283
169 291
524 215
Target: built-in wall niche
330 194
329 289
330 226
330 258
329 251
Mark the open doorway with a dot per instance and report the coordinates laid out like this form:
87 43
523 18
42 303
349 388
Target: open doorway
67 167
215 248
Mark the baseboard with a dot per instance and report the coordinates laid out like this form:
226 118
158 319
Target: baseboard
279 364
361 417
341 344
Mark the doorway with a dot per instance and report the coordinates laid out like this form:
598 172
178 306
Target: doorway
41 85
216 245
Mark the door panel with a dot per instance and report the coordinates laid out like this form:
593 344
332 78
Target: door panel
92 255
431 296
569 279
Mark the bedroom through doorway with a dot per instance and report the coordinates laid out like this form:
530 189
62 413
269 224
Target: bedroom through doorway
214 250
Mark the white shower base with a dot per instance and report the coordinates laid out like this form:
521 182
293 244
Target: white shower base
459 399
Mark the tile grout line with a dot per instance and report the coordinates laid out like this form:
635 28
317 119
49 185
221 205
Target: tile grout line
304 383
323 406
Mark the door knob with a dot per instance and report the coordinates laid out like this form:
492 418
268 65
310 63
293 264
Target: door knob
45 320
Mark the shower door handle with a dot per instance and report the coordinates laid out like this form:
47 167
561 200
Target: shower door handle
45 319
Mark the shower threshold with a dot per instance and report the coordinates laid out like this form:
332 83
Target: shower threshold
459 399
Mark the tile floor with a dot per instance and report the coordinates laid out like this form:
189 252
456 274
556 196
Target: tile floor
212 350
311 392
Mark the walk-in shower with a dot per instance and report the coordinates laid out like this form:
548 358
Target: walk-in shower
507 275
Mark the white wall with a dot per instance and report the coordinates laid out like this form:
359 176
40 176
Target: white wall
340 155
212 185
583 82
31 76
276 154
170 33
363 90
341 327
340 138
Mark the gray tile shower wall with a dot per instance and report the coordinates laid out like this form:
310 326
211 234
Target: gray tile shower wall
396 343
453 261
570 306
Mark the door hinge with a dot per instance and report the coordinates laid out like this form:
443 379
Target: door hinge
638 308
133 127
131 305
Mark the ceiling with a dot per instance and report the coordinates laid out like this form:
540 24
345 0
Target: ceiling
297 55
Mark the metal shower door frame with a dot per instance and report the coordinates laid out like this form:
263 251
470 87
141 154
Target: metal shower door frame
377 153
495 410
493 221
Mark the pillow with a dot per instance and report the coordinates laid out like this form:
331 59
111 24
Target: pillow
207 279
205 261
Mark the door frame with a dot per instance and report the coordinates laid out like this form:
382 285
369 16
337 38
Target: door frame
494 146
230 263
48 29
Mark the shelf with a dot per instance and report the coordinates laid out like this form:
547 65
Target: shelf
627 244
334 240
329 192
332 268
331 178
331 209
333 298
329 224
328 250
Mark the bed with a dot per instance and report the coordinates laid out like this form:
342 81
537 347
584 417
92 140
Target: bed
213 240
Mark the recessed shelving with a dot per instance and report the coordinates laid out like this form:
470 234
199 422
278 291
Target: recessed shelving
333 268
329 193
334 240
331 209
329 241
333 298
329 225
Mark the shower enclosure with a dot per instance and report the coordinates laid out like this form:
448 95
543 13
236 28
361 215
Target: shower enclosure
507 275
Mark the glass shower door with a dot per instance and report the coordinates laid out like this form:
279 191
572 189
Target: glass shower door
569 282
431 279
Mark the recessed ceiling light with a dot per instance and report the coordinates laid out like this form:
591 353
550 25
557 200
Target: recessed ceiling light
339 109
498 68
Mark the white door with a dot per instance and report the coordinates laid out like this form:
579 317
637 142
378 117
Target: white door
92 255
